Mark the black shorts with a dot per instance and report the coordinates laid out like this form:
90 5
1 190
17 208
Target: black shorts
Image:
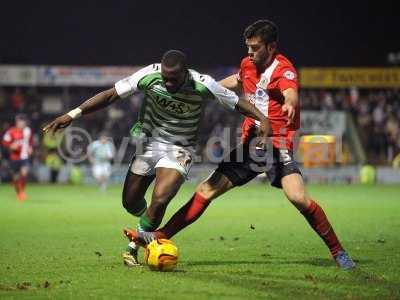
243 165
16 165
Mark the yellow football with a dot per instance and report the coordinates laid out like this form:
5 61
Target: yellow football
161 255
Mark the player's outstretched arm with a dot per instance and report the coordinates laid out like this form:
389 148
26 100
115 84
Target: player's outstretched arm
99 101
232 82
249 110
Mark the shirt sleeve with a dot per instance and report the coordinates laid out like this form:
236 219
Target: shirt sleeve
288 79
127 86
28 136
7 139
226 97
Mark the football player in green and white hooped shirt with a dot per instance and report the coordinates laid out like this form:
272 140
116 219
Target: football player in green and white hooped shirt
100 154
169 118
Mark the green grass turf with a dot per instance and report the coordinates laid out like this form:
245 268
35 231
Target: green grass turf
48 246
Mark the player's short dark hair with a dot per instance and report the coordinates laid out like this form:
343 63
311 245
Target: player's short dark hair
265 29
174 59
21 117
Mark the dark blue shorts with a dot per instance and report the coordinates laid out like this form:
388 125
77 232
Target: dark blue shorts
16 165
241 165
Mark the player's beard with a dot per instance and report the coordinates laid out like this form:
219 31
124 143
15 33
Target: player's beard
260 61
263 61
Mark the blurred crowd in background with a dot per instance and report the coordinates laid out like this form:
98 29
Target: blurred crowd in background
376 114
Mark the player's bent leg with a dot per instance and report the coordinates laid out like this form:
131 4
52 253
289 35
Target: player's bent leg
170 173
135 187
214 186
168 183
293 187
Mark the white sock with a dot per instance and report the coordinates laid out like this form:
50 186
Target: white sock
132 246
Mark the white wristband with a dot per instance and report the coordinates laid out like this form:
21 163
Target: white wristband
75 113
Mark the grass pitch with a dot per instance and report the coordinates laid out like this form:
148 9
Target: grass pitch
65 242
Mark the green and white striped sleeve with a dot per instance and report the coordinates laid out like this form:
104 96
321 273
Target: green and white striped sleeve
225 96
127 86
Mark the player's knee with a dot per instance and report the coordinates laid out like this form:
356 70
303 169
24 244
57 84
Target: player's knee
134 206
133 210
206 190
214 186
296 196
299 199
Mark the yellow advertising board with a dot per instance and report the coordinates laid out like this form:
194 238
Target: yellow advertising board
350 77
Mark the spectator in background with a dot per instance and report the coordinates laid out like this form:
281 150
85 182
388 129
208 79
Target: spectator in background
327 101
354 96
54 163
18 100
363 118
52 141
378 142
378 114
393 136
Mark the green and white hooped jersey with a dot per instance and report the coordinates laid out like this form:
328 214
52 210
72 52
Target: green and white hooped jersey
173 118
